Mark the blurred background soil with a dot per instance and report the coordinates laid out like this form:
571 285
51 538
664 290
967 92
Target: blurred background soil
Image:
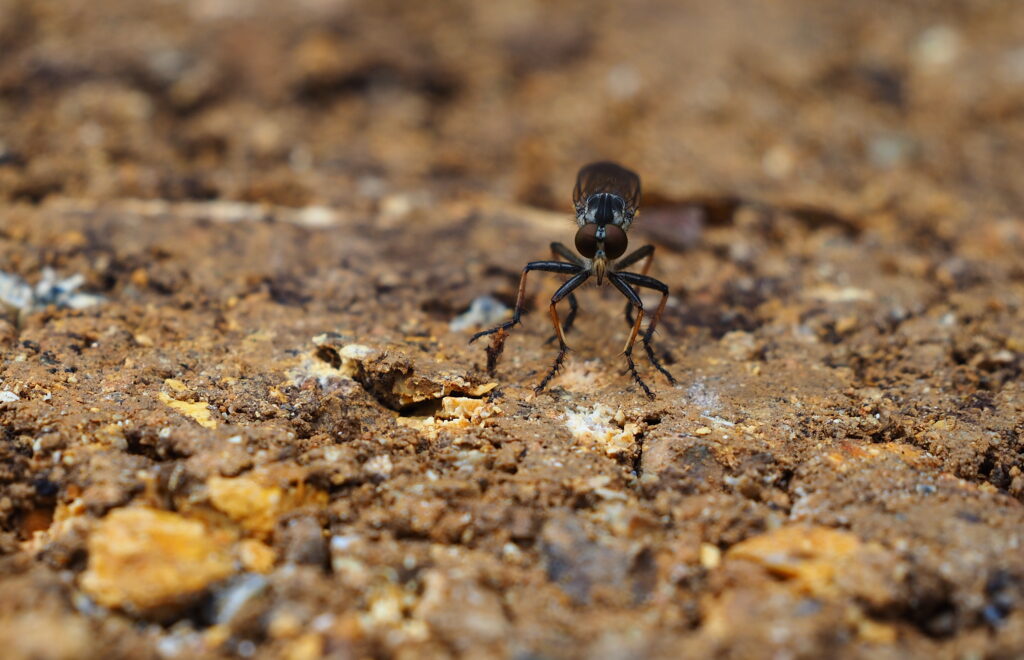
239 421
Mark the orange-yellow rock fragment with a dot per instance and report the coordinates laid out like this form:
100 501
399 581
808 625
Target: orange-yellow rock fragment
143 559
256 505
246 501
199 411
256 556
810 556
308 647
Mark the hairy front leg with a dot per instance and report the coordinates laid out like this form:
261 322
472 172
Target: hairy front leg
500 331
627 351
563 291
651 283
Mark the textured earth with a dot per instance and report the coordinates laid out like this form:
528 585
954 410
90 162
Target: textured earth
243 245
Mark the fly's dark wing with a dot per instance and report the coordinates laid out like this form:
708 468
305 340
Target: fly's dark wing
607 177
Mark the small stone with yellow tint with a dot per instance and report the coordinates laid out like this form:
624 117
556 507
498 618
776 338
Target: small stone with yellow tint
139 277
307 647
809 556
246 501
256 503
215 636
875 632
710 556
154 562
256 556
284 625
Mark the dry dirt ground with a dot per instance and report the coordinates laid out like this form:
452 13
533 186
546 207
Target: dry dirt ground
238 420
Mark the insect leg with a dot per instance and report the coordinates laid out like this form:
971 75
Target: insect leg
651 283
569 318
645 252
559 250
500 332
563 291
634 301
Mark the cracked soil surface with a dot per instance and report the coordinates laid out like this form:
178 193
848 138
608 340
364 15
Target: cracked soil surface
264 439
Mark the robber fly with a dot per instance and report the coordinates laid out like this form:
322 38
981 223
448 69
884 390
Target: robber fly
606 198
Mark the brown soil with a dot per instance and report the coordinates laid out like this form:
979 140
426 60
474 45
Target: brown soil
265 439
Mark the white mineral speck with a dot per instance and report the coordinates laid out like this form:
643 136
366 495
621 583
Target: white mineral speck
483 311
357 352
342 543
936 47
597 427
14 291
317 216
379 466
322 622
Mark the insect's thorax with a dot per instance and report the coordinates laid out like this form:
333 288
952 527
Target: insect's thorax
603 209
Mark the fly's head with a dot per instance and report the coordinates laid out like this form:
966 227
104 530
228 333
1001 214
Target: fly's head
601 243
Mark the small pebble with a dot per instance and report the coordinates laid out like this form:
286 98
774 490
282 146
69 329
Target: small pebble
483 311
710 556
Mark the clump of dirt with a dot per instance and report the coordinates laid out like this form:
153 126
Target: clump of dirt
243 246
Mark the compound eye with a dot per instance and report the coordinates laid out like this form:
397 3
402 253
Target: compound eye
615 241
586 240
